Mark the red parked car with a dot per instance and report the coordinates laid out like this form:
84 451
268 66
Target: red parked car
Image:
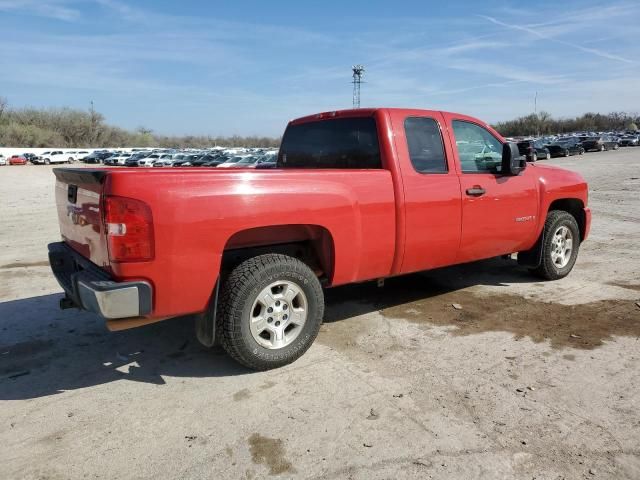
355 195
17 160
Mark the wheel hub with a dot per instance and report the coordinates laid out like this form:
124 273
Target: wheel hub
278 314
561 246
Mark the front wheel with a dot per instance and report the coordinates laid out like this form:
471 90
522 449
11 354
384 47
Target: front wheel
47 161
560 244
271 308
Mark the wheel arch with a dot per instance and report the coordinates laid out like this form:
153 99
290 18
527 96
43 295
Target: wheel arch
573 206
310 243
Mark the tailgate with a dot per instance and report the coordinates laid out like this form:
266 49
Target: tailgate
79 204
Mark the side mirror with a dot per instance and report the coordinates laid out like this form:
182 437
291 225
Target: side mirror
512 162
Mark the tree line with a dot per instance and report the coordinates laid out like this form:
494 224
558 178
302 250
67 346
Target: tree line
71 128
544 124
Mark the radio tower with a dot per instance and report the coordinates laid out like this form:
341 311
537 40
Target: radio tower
358 72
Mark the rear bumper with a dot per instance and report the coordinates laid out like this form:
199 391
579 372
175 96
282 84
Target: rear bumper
90 288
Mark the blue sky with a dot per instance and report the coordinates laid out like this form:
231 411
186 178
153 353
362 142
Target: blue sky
247 67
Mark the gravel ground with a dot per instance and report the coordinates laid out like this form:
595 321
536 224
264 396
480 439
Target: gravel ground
526 380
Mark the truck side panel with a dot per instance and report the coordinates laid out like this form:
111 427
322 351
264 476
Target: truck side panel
195 213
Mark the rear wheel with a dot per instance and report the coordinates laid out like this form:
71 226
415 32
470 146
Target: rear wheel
271 308
560 244
567 153
534 158
616 146
47 161
602 148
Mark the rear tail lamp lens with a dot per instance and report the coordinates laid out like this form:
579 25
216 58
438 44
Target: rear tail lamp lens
129 229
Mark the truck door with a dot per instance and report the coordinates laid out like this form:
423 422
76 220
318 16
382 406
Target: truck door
431 189
499 212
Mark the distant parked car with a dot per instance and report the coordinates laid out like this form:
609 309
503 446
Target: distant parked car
80 154
186 161
132 161
17 160
232 161
600 143
3 161
629 141
54 156
149 160
96 157
565 147
533 150
30 157
120 159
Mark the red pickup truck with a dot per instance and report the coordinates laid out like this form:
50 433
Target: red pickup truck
355 195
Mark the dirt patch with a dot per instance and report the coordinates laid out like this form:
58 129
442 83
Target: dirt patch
269 452
584 326
241 395
628 286
43 263
421 301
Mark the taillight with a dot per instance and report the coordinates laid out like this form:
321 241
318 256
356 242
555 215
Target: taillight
129 229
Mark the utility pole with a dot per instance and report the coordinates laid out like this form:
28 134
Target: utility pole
535 111
358 72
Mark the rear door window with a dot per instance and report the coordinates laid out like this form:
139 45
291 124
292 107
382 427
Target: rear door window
424 142
346 143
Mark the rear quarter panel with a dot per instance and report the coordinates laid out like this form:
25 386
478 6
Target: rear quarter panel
195 212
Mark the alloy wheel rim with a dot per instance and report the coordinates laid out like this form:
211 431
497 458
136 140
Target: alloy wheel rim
561 246
278 314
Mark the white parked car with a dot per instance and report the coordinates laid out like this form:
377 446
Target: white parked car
150 160
120 159
3 161
54 156
75 155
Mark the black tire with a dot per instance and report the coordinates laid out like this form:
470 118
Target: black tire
47 161
534 158
547 268
567 153
603 148
238 293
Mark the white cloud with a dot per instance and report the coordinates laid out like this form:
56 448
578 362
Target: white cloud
547 36
43 8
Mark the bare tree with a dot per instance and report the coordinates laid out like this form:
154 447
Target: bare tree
4 103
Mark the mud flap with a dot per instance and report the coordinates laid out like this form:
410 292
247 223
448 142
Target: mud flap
532 258
206 322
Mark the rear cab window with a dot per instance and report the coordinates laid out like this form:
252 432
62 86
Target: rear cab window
344 143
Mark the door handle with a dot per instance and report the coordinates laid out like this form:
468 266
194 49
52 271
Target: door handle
476 191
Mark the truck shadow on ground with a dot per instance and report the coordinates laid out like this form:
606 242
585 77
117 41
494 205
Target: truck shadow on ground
45 351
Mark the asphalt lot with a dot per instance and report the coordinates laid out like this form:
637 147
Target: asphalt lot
527 380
